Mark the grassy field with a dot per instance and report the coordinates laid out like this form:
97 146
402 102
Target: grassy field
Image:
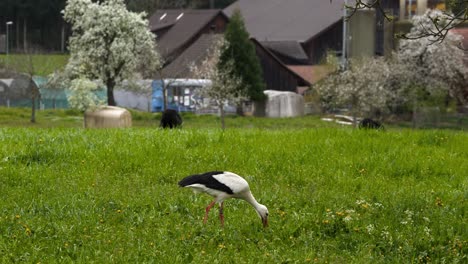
43 64
335 195
20 117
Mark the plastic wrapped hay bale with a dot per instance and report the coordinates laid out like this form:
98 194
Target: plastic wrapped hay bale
284 104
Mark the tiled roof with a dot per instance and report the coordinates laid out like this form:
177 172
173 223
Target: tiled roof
310 73
464 33
279 20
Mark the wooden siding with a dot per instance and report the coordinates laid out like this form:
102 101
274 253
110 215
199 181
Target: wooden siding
275 76
331 39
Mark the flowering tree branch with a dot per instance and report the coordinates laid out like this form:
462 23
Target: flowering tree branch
109 43
224 87
440 25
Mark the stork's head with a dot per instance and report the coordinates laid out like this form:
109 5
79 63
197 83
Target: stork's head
263 213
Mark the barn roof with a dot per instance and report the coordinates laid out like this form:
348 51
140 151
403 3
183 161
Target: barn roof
183 25
301 81
194 54
280 20
292 49
311 73
464 43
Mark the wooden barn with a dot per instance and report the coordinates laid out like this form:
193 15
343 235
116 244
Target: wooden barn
177 30
298 32
276 74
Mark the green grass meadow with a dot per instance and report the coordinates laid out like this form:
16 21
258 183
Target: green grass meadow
335 194
40 64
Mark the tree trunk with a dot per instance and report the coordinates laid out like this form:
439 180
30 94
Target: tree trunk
239 109
25 32
221 112
355 123
33 109
17 35
164 92
62 42
110 92
354 112
34 96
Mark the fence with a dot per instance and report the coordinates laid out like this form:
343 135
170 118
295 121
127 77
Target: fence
433 117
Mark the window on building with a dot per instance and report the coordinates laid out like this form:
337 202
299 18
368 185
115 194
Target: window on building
410 8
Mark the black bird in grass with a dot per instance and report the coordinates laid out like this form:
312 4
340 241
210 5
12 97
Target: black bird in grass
223 185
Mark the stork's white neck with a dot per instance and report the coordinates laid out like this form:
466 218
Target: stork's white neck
251 200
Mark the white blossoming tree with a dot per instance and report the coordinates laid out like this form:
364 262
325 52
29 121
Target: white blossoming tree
424 70
362 87
456 15
431 67
82 94
224 88
109 43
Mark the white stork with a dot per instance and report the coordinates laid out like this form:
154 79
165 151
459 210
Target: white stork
223 185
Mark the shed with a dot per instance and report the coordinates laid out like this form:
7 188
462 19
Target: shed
108 117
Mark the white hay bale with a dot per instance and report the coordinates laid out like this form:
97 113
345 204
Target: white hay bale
284 104
108 117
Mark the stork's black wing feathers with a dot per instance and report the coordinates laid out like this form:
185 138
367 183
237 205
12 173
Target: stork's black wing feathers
206 179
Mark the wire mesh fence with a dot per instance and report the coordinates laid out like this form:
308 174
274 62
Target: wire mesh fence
434 117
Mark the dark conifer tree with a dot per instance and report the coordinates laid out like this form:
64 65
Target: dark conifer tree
242 51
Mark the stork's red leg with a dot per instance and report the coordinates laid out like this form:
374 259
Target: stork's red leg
207 210
221 215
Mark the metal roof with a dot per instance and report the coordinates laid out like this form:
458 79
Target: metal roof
280 20
184 25
194 54
292 49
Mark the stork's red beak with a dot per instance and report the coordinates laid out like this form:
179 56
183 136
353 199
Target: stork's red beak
265 222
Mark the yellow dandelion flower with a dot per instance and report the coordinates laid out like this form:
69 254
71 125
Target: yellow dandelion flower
119 211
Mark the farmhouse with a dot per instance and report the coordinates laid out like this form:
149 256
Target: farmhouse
185 36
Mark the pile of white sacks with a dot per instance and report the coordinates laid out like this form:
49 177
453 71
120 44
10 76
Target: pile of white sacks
283 104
